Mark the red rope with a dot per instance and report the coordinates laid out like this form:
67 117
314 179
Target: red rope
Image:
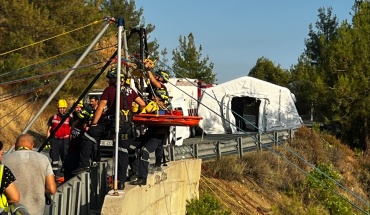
228 186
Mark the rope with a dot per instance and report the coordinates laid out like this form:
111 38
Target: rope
14 117
7 114
216 195
93 23
33 109
13 95
49 74
229 187
272 138
40 63
227 195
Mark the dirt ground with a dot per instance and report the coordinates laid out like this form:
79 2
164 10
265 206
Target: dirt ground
245 197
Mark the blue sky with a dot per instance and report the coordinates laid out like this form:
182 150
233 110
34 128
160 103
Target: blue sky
234 34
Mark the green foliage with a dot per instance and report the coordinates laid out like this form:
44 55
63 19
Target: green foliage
267 71
333 73
62 30
205 205
320 180
316 127
187 61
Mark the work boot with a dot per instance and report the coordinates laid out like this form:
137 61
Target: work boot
139 181
121 186
157 168
133 177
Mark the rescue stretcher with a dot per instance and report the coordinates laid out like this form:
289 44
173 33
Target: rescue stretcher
166 120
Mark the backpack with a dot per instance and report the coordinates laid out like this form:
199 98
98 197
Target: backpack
3 200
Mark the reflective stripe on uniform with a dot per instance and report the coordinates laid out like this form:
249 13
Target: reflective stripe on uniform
90 137
145 150
123 150
132 147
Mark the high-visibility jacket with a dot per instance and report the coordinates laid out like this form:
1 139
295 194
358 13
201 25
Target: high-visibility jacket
64 130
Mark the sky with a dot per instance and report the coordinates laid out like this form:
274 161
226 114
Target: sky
234 34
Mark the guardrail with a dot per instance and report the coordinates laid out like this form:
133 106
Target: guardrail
215 146
84 194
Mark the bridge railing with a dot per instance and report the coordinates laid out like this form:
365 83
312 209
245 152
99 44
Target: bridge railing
217 145
82 194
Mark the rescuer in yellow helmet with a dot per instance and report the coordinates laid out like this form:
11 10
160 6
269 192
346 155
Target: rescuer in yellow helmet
60 134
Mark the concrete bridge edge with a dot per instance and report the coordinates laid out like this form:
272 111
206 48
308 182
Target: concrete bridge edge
166 192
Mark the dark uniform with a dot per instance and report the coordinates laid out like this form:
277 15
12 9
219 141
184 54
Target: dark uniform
72 158
153 139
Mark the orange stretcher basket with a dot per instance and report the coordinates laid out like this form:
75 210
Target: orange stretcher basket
166 120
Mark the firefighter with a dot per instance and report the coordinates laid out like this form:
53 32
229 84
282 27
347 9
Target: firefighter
94 102
60 140
103 122
155 136
78 129
77 110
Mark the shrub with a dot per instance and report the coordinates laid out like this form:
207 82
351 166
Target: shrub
320 180
206 204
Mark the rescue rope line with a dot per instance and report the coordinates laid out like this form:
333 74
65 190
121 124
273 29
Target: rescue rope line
280 144
35 43
49 74
205 180
47 62
229 187
15 117
7 114
33 109
32 89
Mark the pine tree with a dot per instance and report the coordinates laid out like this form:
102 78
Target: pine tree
267 71
187 61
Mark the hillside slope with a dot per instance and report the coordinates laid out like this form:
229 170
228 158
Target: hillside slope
292 178
274 181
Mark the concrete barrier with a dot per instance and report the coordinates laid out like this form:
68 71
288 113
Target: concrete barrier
166 192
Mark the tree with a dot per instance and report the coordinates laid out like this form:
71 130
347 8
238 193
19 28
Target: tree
339 72
326 28
187 61
67 28
267 71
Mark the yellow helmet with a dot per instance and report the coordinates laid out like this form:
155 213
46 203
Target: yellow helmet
62 103
80 104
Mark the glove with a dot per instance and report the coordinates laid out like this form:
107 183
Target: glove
48 199
47 146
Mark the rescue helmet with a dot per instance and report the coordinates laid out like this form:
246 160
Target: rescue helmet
161 93
127 80
62 103
80 104
113 73
86 113
164 75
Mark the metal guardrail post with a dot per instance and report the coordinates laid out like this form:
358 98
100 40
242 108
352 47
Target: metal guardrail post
258 142
94 188
195 150
290 134
218 151
276 138
239 146
172 152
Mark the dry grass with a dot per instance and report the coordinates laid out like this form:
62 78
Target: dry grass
285 183
17 114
